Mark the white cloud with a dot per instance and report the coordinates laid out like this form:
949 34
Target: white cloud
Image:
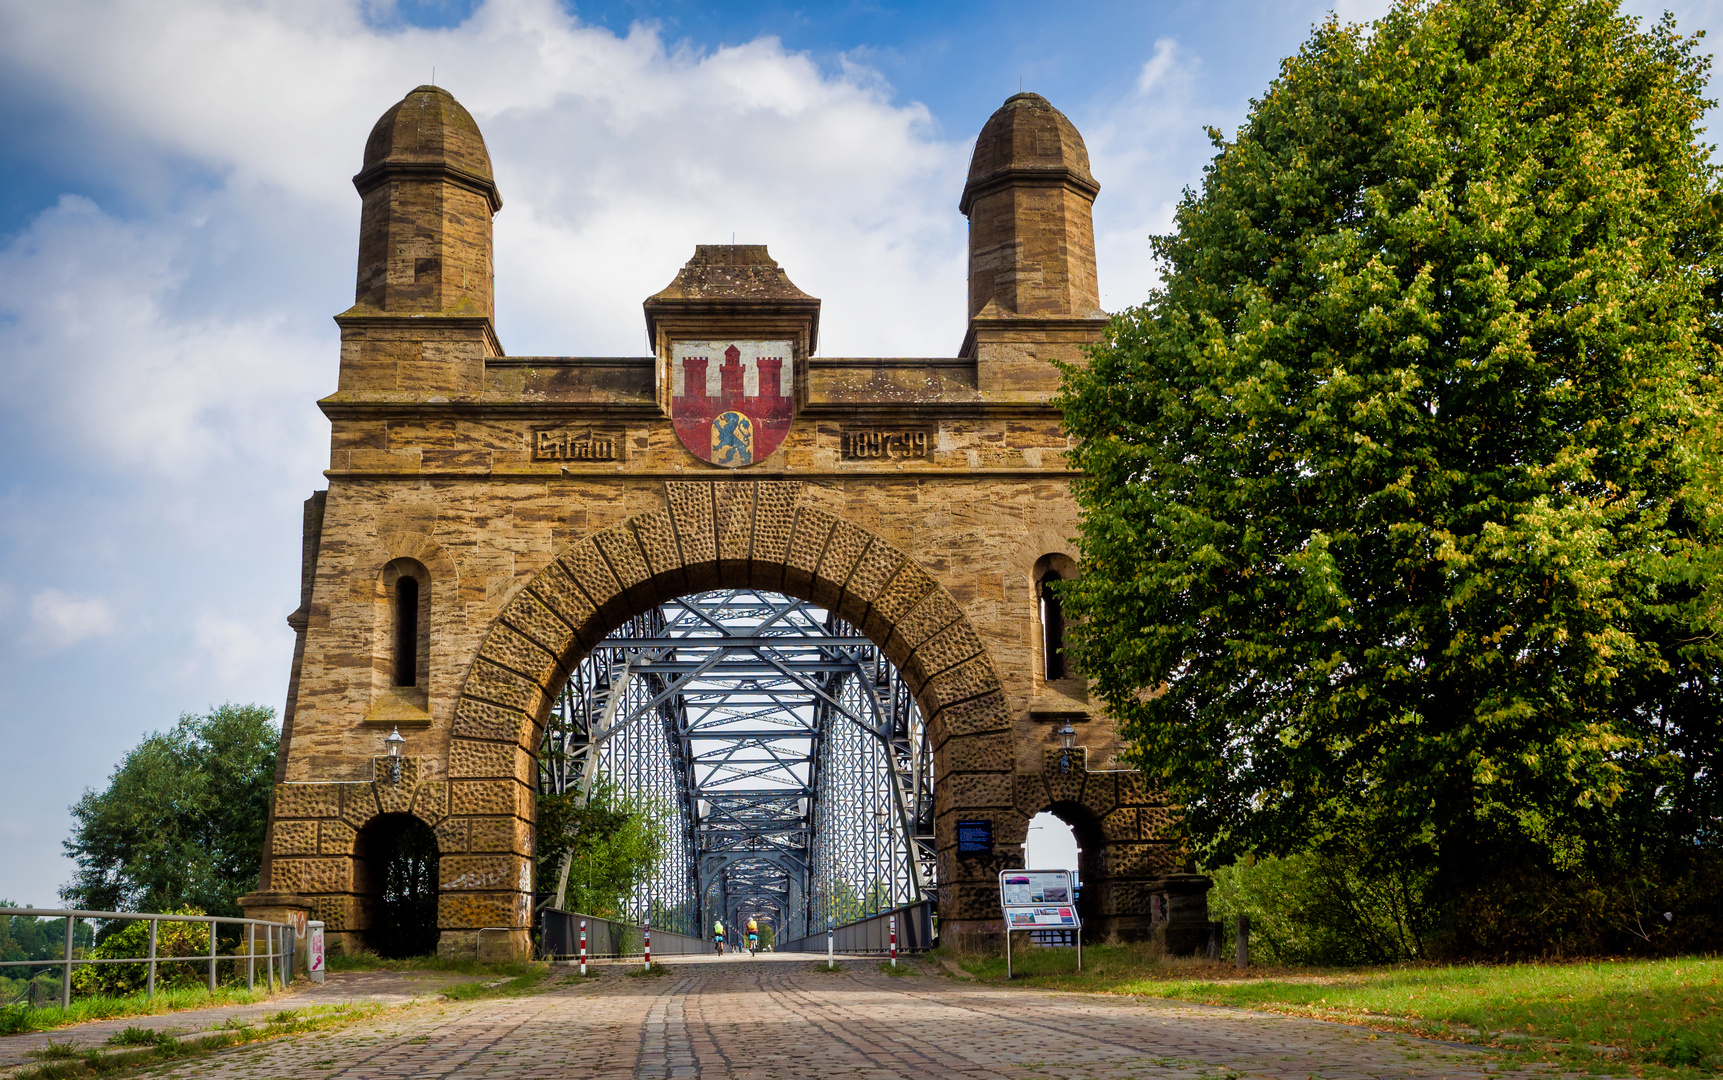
120 380
615 154
1157 67
228 649
59 620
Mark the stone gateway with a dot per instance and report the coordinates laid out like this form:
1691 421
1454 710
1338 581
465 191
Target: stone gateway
489 518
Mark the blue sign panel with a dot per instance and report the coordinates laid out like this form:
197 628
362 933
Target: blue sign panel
974 838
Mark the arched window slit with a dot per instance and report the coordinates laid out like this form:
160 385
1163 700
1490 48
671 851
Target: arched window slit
1052 629
406 631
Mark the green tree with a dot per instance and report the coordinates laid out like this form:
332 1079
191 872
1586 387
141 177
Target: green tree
182 819
611 843
26 938
1400 500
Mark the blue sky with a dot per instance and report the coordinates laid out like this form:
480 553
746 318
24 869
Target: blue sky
177 226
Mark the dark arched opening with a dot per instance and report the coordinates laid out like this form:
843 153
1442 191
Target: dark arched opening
397 867
1052 629
406 660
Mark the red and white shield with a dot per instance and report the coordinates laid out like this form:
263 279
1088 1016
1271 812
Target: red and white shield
731 400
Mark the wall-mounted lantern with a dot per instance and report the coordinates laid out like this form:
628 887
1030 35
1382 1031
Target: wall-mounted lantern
394 742
1067 739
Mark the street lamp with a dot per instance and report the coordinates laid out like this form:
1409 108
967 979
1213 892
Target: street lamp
1067 737
394 742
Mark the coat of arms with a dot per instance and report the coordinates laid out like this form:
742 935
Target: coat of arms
731 400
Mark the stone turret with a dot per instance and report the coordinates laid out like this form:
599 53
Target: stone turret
425 231
424 251
1033 293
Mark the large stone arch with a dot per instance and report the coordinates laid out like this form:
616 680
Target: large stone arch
708 535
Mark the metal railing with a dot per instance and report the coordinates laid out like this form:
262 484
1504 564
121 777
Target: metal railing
278 940
608 937
915 933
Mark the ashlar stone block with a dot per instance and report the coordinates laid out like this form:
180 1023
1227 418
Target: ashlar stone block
691 514
807 543
529 616
472 758
560 593
314 800
472 910
335 838
431 801
484 872
508 648
294 838
358 804
475 719
843 551
474 797
657 539
501 835
971 753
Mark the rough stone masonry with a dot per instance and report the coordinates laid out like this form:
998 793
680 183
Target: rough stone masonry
490 517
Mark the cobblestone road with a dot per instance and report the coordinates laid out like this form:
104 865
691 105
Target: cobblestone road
772 1020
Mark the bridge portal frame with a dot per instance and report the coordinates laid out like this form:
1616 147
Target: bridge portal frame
539 503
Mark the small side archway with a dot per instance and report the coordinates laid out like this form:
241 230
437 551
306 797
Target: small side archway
395 876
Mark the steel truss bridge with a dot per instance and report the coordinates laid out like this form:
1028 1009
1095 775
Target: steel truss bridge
780 749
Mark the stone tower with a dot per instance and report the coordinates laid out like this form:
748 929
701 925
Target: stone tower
422 306
1033 294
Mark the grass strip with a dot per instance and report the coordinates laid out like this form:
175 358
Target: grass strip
517 979
365 961
17 1019
1650 1017
63 1061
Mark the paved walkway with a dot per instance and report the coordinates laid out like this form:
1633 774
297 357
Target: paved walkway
779 1017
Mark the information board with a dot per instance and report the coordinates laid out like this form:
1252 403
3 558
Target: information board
975 837
1034 899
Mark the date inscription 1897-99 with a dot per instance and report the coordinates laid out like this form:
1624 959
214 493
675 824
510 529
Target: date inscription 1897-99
886 444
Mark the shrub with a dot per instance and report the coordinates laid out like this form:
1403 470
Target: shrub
173 939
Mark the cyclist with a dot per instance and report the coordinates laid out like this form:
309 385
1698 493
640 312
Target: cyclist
718 936
753 936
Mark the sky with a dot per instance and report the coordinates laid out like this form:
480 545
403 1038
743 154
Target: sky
178 224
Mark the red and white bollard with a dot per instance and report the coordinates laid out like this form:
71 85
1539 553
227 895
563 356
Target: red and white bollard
583 947
894 941
648 964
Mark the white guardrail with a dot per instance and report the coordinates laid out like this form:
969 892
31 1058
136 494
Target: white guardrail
277 941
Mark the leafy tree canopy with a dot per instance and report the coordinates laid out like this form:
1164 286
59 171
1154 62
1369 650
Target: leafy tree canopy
1400 495
182 819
